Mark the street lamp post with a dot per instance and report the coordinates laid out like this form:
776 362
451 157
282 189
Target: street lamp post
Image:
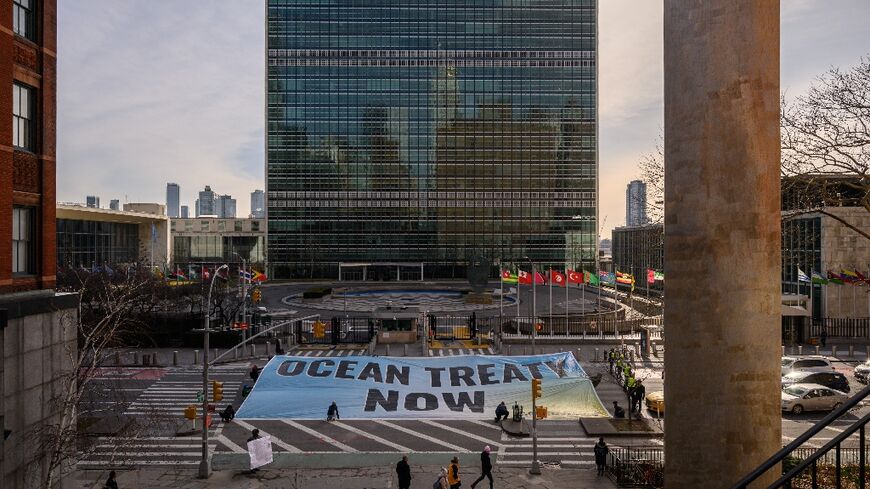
536 466
244 295
204 465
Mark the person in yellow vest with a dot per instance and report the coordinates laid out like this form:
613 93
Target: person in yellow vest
453 474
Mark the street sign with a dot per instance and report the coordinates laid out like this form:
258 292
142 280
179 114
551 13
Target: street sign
199 397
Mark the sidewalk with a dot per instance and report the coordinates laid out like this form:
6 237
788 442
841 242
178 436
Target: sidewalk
363 478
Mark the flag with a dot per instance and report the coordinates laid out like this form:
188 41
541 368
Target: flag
524 278
660 276
259 277
222 274
206 275
179 275
607 278
650 276
849 276
557 278
191 272
818 279
156 272
625 279
575 277
245 275
539 278
508 277
591 278
802 277
834 278
862 277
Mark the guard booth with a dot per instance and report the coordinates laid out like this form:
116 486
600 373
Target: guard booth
396 324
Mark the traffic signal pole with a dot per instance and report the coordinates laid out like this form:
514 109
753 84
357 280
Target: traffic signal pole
536 391
204 463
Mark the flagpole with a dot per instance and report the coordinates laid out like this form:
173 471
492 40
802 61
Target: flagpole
566 302
550 311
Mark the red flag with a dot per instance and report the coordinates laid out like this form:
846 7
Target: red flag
650 276
557 278
539 278
524 278
575 277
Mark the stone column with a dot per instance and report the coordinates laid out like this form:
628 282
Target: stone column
722 239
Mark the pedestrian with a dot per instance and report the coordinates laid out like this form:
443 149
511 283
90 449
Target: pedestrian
601 452
501 412
228 413
332 412
255 372
610 359
110 482
441 483
485 467
824 336
403 470
453 474
255 434
639 395
618 412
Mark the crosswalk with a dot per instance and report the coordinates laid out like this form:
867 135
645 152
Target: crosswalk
327 352
573 452
449 352
172 396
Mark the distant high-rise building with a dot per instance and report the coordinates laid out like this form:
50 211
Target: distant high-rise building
173 199
226 206
635 203
258 204
206 204
92 201
185 212
115 204
451 133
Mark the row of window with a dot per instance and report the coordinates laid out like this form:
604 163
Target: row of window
23 20
488 63
425 53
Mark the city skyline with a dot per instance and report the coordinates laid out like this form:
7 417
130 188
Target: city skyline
815 36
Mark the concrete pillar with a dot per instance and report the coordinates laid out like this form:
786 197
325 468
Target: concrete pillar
196 357
175 358
817 349
851 351
800 349
404 349
387 350
834 350
722 213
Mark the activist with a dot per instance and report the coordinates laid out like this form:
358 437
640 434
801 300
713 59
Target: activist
403 470
618 412
485 467
501 412
255 434
601 450
441 482
332 412
228 413
453 474
255 372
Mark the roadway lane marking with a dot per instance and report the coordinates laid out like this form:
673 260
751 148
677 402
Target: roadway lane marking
421 435
370 436
320 436
486 424
116 463
229 444
556 454
496 444
275 440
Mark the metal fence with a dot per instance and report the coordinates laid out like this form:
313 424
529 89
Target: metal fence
636 466
335 331
842 327
586 326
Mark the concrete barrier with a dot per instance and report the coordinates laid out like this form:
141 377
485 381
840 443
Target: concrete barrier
800 349
817 349
135 358
117 359
404 349
508 350
851 351
196 357
388 349
834 350
175 358
595 359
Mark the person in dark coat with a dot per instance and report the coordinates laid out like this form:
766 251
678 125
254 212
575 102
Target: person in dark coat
824 337
403 470
618 412
332 412
228 413
637 396
110 482
501 412
601 452
485 467
255 373
255 435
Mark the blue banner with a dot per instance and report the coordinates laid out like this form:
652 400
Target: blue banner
405 387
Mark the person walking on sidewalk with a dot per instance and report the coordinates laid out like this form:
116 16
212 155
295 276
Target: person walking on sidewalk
110 482
824 337
610 359
601 450
403 470
453 474
441 482
485 467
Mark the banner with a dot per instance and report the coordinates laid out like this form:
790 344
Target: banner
467 387
260 451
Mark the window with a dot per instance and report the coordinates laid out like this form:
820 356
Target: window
237 226
22 117
255 225
22 241
22 19
203 225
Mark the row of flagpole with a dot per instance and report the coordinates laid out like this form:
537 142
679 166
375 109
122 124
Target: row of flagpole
845 277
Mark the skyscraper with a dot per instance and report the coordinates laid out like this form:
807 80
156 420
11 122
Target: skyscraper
206 204
185 212
258 204
173 199
226 206
115 204
431 134
635 203
92 201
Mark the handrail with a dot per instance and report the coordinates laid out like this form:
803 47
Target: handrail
822 451
816 429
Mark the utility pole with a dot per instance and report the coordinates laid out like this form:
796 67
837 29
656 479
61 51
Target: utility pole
536 392
204 464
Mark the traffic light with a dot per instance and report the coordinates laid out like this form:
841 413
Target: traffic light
256 296
319 330
536 388
217 391
190 412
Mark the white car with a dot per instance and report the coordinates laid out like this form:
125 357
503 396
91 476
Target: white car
799 398
806 364
862 372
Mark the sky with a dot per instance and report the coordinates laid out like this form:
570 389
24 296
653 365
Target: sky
173 91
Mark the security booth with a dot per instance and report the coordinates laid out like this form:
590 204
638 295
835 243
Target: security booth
396 324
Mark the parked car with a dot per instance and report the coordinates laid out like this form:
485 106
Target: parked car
655 402
862 372
831 380
798 398
812 363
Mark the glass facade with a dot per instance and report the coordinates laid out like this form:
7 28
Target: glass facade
94 243
217 249
802 248
431 131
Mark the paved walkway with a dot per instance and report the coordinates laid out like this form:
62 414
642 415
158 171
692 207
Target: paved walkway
365 478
